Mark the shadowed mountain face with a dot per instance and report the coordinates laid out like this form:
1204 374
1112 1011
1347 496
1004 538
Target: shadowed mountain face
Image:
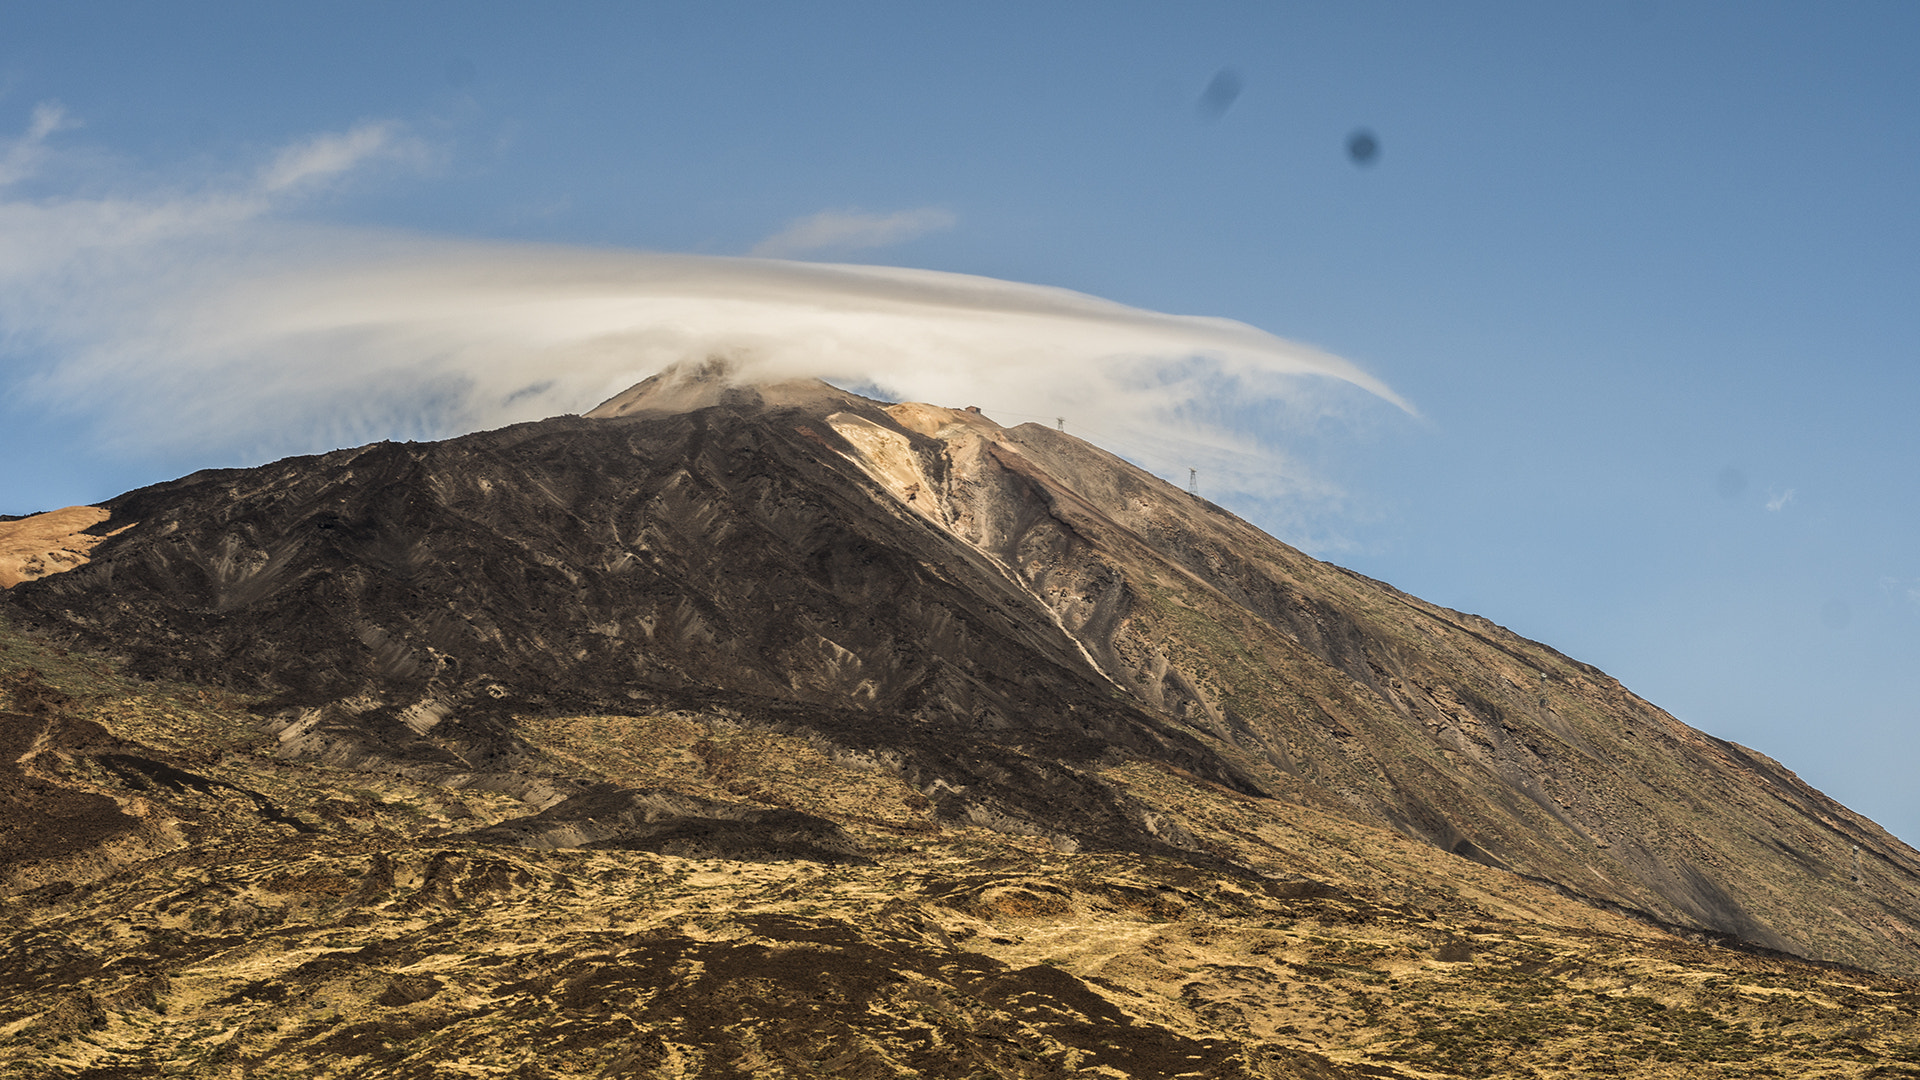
1006 619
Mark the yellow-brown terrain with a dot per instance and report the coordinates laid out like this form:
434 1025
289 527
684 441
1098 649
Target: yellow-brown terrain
50 543
265 918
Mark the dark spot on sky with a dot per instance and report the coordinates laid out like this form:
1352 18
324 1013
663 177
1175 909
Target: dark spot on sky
1363 147
1731 483
1220 94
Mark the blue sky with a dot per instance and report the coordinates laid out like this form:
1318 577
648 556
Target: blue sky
1643 273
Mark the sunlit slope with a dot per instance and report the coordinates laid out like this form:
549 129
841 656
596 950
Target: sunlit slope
1347 693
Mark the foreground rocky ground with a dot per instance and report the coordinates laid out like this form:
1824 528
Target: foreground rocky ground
178 901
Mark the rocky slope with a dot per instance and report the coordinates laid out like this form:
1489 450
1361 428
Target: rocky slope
1008 622
233 913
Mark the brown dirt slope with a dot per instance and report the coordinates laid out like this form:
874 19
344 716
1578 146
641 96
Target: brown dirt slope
318 921
33 547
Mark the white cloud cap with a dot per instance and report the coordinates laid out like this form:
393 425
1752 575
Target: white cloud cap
203 322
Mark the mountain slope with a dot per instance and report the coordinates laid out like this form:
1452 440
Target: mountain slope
242 914
1440 724
1009 621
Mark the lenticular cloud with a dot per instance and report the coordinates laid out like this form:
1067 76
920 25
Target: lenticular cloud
427 339
206 323
537 330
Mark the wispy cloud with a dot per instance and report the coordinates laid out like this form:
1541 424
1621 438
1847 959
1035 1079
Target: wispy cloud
852 230
211 322
1908 588
23 155
325 157
1777 500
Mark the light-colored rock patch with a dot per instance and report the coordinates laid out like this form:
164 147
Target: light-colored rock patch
50 543
888 457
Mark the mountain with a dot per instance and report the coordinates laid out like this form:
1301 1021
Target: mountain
894 673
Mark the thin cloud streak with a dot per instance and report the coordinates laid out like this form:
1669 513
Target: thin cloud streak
208 323
326 156
852 230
